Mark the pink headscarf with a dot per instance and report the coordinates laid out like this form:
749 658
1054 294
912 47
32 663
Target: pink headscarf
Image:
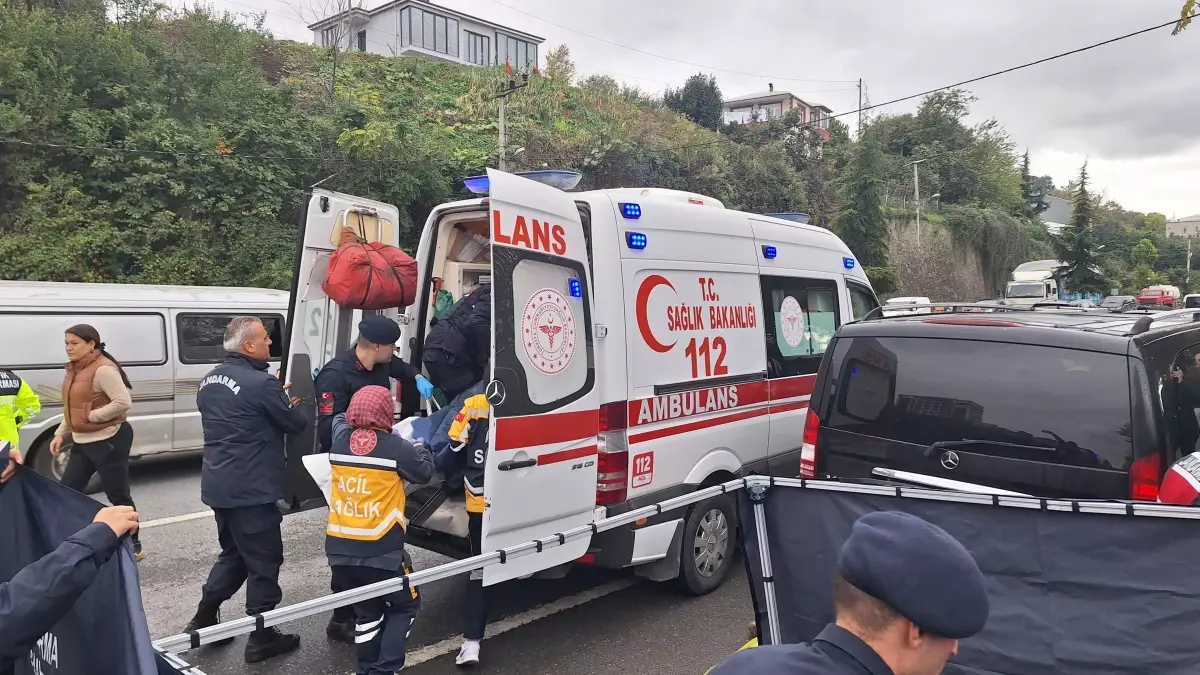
371 408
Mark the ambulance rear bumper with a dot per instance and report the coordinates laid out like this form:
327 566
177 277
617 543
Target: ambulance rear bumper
640 543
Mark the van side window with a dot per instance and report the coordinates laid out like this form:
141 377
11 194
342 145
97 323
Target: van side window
862 300
801 316
201 336
134 339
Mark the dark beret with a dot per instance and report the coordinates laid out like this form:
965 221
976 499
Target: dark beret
918 570
379 329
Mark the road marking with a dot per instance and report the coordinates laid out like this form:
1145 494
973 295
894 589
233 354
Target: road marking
451 645
176 519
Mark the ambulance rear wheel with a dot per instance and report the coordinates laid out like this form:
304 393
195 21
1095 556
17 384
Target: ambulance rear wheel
709 535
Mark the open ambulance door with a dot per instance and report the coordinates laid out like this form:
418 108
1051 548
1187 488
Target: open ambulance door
319 329
540 475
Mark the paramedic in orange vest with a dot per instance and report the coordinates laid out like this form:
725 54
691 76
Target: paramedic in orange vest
470 431
365 537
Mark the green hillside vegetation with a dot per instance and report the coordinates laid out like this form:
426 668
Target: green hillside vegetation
141 145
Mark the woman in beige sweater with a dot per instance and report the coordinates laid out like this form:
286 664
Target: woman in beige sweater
95 400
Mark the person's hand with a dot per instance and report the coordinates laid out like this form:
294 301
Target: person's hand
121 519
295 401
425 387
14 458
56 445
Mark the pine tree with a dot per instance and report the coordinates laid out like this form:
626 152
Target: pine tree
699 99
1033 191
1075 244
860 221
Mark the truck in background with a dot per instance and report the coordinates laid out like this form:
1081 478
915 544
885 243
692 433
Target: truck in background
1161 295
1039 280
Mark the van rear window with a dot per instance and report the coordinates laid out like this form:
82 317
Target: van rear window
1074 404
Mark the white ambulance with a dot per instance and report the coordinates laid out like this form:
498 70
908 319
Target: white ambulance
646 342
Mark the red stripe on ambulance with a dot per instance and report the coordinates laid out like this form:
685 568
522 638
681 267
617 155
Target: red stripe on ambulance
567 455
696 426
791 387
513 433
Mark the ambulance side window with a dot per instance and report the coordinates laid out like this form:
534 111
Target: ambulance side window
801 316
862 300
543 331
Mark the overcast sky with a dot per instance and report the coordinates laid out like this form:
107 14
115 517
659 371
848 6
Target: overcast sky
1129 107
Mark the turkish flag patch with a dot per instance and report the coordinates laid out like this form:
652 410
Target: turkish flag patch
363 441
325 407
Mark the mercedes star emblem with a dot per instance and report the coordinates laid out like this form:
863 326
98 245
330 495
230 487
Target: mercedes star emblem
495 392
950 460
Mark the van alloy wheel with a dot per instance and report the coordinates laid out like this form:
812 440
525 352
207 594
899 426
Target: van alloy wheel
711 543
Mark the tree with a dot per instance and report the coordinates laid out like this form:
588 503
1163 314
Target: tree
699 100
1145 254
1075 245
1185 16
1032 191
860 221
559 65
1156 222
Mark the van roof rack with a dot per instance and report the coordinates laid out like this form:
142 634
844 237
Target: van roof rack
948 308
1146 322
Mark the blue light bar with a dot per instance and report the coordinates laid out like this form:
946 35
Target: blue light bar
576 288
769 252
794 217
563 180
631 211
636 240
848 263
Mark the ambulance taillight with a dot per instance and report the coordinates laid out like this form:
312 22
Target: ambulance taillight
808 446
612 461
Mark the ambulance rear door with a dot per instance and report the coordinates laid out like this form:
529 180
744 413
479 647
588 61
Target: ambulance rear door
318 328
540 476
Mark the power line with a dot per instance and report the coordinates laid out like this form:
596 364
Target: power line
661 56
956 84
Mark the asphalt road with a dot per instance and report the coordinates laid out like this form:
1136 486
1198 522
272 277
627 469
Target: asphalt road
592 622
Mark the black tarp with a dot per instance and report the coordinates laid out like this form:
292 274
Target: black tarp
1071 593
105 632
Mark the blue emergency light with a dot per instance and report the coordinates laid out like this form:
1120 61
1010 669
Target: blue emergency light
575 287
563 180
769 252
848 263
631 211
636 240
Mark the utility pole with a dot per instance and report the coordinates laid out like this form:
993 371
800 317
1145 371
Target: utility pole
860 109
1187 281
501 94
917 197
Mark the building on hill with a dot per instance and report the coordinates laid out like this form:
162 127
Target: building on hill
772 105
1188 226
421 28
1057 214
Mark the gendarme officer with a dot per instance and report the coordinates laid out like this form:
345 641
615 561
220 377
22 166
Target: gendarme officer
246 412
371 362
905 594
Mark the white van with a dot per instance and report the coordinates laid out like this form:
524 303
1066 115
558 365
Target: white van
646 342
166 338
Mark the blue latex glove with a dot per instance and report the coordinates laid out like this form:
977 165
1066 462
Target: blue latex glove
425 387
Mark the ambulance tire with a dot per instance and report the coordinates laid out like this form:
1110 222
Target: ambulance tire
48 465
709 546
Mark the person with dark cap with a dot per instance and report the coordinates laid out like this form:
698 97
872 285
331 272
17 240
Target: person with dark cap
905 594
371 362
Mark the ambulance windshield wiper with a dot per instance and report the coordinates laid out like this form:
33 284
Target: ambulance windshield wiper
946 445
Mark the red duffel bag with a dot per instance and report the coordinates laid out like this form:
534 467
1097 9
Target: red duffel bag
370 275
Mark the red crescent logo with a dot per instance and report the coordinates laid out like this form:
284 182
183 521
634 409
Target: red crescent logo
643 300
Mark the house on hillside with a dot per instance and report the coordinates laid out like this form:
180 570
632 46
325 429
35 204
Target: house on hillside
773 105
421 28
1057 214
1188 226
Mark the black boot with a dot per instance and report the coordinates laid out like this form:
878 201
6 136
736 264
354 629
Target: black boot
269 643
207 615
341 630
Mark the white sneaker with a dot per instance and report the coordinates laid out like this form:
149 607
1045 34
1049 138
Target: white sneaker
468 655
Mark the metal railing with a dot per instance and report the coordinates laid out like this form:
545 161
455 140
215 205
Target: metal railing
757 486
